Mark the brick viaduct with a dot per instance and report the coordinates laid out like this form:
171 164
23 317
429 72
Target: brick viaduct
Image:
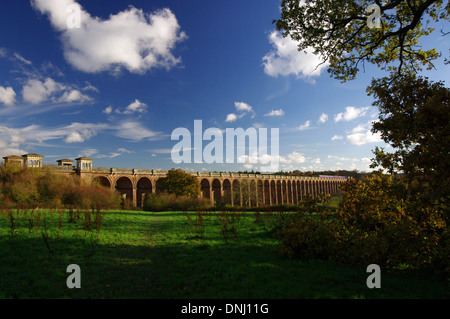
235 189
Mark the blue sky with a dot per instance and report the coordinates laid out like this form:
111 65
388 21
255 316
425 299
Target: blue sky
115 89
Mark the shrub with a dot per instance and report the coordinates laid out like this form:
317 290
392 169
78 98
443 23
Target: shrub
171 202
379 222
40 188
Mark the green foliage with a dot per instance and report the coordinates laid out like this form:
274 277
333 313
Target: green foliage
171 202
377 223
180 183
415 120
40 188
338 31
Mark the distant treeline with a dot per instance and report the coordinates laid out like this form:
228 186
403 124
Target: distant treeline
354 173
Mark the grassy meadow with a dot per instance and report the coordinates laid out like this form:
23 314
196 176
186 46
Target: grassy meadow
137 254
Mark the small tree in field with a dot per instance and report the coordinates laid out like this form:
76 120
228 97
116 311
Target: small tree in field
180 183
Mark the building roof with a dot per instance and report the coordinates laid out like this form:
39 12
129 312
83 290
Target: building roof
12 157
65 160
33 154
84 158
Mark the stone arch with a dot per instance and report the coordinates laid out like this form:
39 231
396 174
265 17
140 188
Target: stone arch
289 192
227 192
205 188
253 198
319 187
102 181
314 189
295 192
299 191
267 193
308 188
237 194
216 191
261 194
144 187
279 193
273 192
284 192
124 186
302 189
245 190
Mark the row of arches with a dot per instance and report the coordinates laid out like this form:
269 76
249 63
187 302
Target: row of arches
251 193
125 187
234 192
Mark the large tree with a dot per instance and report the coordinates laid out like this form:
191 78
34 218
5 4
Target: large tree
414 112
415 120
343 34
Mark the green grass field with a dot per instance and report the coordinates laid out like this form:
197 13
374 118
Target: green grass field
166 255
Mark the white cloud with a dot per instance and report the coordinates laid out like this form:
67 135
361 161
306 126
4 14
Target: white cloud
351 113
80 132
22 59
323 118
124 150
304 126
279 112
74 137
362 134
258 125
337 137
136 106
73 133
364 138
88 152
36 91
3 52
120 151
108 110
74 96
286 59
288 162
135 131
293 158
231 117
364 127
130 39
7 96
7 149
243 107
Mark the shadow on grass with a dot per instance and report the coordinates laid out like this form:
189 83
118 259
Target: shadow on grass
194 270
